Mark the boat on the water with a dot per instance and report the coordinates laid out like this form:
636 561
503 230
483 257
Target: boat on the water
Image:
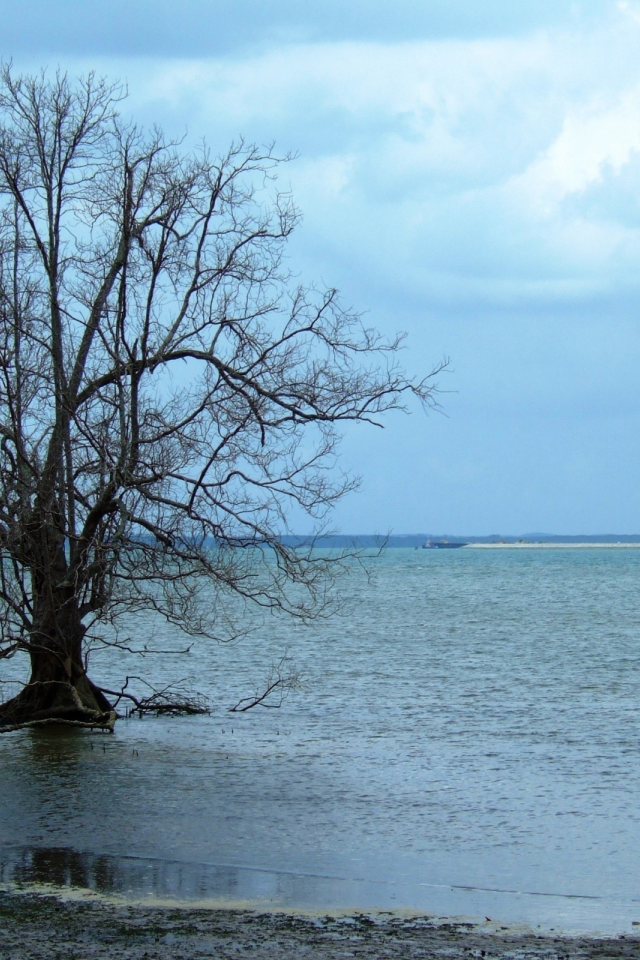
442 545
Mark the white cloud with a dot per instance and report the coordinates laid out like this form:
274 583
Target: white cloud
592 139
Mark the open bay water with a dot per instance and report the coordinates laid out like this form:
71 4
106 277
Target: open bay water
466 742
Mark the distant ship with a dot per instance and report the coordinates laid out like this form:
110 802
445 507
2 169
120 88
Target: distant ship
441 545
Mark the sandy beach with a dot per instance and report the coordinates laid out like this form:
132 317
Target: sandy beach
34 926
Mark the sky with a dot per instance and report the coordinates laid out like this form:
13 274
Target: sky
469 173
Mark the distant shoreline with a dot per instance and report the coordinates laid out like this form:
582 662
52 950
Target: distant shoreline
418 540
551 546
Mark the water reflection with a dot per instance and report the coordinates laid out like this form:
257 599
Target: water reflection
62 868
50 787
172 880
52 743
219 885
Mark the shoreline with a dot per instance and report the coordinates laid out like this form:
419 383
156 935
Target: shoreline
185 885
56 925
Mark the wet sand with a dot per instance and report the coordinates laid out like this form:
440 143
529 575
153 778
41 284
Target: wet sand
38 927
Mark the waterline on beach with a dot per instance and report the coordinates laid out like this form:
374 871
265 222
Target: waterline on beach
216 886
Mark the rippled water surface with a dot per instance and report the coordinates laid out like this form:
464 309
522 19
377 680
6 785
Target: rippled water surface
466 741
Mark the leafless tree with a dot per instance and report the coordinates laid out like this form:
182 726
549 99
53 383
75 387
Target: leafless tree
167 392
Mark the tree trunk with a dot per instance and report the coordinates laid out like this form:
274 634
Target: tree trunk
58 690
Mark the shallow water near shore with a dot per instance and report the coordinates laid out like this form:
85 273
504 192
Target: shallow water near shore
466 743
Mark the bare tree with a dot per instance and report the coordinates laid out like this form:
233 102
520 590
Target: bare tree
166 391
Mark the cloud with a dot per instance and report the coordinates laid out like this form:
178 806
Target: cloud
594 138
444 169
481 191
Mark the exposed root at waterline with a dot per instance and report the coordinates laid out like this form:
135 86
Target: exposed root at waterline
49 702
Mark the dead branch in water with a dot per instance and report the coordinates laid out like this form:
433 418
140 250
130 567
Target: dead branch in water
282 678
176 699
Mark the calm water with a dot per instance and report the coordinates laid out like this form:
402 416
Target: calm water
467 741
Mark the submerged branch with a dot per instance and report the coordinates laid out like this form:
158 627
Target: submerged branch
172 699
283 678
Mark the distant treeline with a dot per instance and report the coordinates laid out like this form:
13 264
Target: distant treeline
344 541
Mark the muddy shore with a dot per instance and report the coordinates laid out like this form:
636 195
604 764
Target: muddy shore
38 927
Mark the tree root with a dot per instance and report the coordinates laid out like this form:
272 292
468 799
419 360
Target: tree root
57 702
105 722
